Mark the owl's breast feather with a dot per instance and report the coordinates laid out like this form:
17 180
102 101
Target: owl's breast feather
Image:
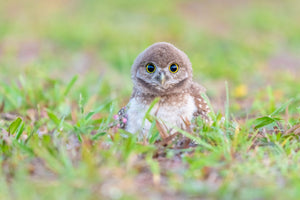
169 113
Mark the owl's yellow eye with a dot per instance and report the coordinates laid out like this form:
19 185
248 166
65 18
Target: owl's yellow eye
150 68
173 68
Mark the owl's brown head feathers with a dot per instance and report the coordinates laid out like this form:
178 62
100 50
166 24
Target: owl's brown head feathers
161 69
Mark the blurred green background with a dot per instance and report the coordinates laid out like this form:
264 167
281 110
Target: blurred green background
250 44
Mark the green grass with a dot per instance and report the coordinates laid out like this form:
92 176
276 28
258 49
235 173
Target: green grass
65 71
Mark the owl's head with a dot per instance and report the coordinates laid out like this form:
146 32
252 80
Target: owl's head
161 69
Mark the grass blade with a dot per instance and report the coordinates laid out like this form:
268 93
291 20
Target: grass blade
13 127
70 85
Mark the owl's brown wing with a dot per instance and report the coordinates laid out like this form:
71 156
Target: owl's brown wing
202 110
120 119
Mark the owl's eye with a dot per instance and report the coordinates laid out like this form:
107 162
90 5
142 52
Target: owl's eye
150 68
173 68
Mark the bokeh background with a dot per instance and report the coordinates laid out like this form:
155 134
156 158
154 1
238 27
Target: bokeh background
65 71
253 45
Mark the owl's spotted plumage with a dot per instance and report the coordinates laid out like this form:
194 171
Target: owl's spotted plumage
165 72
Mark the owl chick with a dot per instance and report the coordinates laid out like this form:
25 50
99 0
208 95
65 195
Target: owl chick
165 72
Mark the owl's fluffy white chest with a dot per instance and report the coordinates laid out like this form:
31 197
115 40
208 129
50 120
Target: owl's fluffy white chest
169 113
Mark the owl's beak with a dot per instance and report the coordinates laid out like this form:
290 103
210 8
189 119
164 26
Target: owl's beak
162 78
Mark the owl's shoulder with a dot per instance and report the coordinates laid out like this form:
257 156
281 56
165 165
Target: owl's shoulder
197 89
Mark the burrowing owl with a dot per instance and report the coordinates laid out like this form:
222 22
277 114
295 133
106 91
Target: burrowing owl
165 72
